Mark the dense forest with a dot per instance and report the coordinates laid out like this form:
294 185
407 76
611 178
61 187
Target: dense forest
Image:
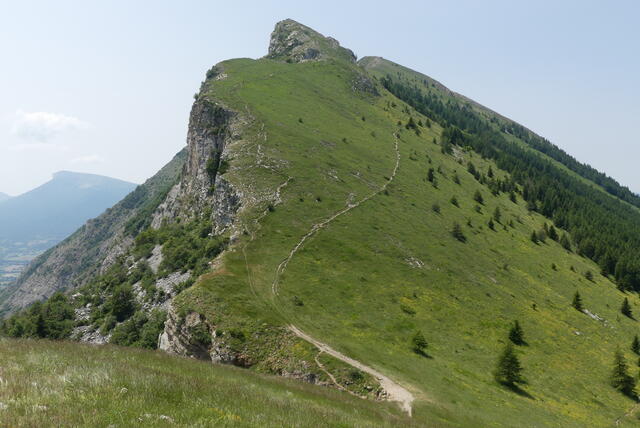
605 229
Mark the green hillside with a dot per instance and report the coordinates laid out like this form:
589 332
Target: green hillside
66 384
354 245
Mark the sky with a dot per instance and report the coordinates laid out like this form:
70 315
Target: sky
106 87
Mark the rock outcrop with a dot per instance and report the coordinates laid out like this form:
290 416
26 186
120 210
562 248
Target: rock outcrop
294 42
202 188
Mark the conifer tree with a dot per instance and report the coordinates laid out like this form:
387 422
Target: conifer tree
456 232
454 201
577 302
512 197
497 214
534 237
516 335
490 172
491 225
635 345
553 234
625 309
431 175
477 196
509 371
620 378
564 241
418 343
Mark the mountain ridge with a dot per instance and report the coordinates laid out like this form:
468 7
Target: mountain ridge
449 243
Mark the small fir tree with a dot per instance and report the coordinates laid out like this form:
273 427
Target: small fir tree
635 345
431 175
497 214
456 232
565 242
577 302
477 196
620 378
516 334
625 309
534 237
419 343
509 371
454 201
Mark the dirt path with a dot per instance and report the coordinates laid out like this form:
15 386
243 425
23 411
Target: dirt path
318 226
395 391
629 413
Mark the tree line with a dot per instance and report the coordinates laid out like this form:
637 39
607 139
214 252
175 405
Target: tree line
603 228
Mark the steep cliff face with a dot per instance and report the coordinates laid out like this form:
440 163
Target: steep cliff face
203 186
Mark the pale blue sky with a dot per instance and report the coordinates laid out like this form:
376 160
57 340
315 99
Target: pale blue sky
106 87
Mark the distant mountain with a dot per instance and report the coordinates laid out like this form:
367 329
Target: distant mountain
4 197
58 207
34 221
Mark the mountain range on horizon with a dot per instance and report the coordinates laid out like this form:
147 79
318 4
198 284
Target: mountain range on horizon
36 220
58 207
402 254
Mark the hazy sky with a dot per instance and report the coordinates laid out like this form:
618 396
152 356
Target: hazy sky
106 87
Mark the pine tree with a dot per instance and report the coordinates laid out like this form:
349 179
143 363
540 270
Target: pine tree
512 197
456 232
577 302
588 275
534 237
497 214
418 343
553 234
411 124
635 345
491 225
477 196
509 371
625 309
620 378
516 335
431 175
490 172
454 201
564 241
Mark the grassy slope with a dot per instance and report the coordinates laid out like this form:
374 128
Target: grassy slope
381 67
66 384
354 275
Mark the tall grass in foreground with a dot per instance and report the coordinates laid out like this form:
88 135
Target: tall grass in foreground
44 383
